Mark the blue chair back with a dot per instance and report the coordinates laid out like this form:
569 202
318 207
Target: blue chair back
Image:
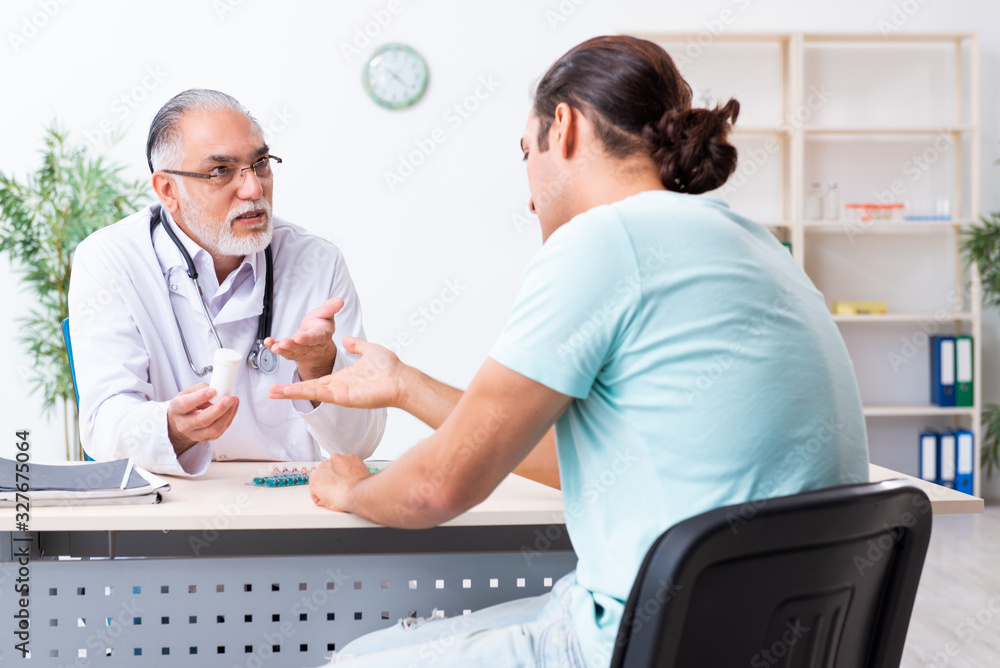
69 349
72 369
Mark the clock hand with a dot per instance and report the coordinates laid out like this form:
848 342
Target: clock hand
396 77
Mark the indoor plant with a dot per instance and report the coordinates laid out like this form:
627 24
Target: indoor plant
981 246
42 219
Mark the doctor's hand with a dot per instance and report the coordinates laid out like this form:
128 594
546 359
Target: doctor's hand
374 381
192 419
331 482
312 347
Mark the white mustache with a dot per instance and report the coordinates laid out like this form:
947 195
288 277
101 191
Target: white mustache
248 207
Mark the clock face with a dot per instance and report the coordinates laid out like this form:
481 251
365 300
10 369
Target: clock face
395 77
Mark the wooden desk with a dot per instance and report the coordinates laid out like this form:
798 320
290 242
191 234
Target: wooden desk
223 492
222 573
944 501
222 500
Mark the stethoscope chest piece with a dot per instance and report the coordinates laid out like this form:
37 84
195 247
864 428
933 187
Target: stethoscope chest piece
262 359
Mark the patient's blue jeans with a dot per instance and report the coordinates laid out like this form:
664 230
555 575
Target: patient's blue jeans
527 632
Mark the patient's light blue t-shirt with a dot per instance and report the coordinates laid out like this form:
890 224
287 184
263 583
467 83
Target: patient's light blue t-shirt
706 371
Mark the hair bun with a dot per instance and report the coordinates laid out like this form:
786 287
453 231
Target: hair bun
691 145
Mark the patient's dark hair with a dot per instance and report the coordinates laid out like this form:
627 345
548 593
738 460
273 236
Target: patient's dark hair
631 91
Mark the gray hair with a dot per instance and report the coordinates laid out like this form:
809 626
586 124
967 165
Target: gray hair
163 145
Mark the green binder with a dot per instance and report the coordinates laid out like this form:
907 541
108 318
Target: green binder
963 370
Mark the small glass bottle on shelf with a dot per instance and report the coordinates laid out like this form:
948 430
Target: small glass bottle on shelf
831 203
814 202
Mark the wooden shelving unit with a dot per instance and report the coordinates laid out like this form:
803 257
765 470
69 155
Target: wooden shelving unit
888 98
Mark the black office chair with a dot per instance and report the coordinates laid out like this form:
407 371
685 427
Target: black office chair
822 579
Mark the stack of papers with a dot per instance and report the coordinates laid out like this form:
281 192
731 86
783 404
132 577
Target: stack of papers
80 483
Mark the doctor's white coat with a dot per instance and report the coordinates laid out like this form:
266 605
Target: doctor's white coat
130 362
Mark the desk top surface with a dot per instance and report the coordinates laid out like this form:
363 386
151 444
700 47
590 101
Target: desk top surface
221 499
944 501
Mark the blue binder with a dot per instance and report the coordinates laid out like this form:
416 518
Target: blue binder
947 459
943 370
966 463
929 455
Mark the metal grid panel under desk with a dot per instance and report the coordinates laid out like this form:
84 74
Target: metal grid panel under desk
253 611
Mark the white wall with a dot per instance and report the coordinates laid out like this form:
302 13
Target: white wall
461 216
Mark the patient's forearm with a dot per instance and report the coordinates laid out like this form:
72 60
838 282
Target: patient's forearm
427 399
542 463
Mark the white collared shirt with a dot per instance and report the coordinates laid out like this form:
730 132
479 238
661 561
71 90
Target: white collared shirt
126 289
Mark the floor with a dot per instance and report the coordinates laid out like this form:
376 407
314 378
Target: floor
956 617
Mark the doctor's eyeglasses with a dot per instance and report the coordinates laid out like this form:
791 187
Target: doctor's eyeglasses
224 175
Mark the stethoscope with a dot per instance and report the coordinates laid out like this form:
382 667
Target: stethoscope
260 357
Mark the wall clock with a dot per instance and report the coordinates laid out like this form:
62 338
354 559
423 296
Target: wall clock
395 76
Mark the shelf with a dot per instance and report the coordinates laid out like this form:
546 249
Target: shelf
917 38
896 98
903 227
950 316
720 38
944 129
761 130
916 410
810 39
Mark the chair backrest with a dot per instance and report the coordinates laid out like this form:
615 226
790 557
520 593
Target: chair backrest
822 579
69 350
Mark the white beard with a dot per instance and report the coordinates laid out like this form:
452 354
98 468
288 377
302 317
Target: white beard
221 238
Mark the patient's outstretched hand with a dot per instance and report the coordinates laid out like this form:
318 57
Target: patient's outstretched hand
374 381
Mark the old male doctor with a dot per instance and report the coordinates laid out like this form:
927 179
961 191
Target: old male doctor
153 296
